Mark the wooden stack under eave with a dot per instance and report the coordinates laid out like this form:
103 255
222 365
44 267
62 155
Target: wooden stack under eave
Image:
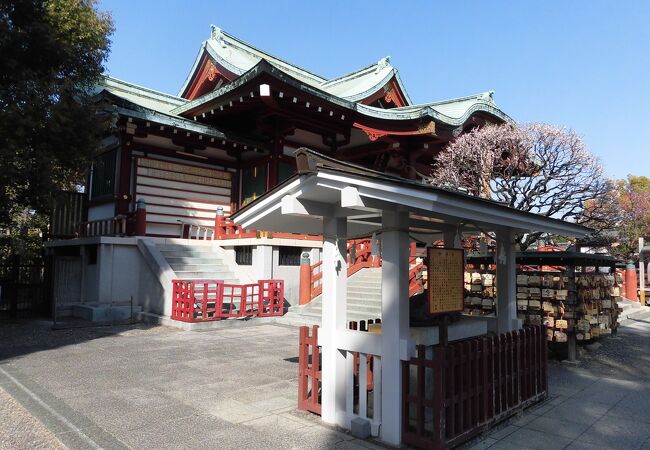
546 298
597 308
480 292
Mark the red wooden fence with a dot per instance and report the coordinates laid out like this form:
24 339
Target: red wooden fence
461 389
208 300
309 371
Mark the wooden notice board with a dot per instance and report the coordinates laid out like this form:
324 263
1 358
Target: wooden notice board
445 280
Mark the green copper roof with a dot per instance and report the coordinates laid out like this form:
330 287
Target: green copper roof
239 57
148 98
450 112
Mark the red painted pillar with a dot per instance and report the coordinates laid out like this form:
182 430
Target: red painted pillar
414 249
305 279
141 218
630 282
219 223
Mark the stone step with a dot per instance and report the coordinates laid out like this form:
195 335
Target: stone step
640 314
188 254
356 298
364 290
365 281
364 277
182 247
226 281
297 320
294 318
194 259
357 309
364 303
215 268
194 275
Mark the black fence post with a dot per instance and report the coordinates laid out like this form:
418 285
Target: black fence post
14 279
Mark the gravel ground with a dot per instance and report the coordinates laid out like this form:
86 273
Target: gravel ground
625 355
599 402
20 430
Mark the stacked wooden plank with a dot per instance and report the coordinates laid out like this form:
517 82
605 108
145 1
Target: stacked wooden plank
480 293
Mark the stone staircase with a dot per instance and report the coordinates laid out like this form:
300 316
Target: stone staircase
197 262
364 301
633 310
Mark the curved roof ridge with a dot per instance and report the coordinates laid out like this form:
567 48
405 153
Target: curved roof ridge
358 72
217 33
486 96
142 89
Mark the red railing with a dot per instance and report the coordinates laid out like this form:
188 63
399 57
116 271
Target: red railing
360 257
309 371
208 300
473 384
224 228
416 286
315 280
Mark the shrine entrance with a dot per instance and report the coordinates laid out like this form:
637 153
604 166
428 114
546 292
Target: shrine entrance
346 374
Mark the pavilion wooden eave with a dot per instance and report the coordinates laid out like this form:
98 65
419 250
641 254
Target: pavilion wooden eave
325 187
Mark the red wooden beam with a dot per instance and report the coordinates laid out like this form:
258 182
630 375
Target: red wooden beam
377 133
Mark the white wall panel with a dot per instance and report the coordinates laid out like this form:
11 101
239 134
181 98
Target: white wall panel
178 193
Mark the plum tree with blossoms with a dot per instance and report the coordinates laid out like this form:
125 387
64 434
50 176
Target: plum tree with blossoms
536 168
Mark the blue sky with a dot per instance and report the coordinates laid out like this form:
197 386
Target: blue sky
580 64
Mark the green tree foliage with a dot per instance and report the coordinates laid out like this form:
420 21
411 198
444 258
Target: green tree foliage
627 208
52 53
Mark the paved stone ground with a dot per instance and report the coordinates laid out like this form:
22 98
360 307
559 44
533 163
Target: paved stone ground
19 429
157 387
603 402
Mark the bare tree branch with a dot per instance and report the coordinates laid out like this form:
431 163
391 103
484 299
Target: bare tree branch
536 168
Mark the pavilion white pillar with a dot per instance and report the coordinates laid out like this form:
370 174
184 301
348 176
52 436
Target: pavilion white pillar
506 282
395 320
335 285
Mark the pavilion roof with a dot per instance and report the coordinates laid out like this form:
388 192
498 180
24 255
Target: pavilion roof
450 112
139 95
144 104
324 186
238 57
456 108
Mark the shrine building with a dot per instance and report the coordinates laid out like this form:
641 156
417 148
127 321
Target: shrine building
173 168
263 190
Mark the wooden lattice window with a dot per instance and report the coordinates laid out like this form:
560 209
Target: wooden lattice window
103 175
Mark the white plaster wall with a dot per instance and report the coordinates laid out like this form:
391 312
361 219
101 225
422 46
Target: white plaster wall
122 271
150 293
90 282
291 277
105 211
127 268
291 274
261 269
